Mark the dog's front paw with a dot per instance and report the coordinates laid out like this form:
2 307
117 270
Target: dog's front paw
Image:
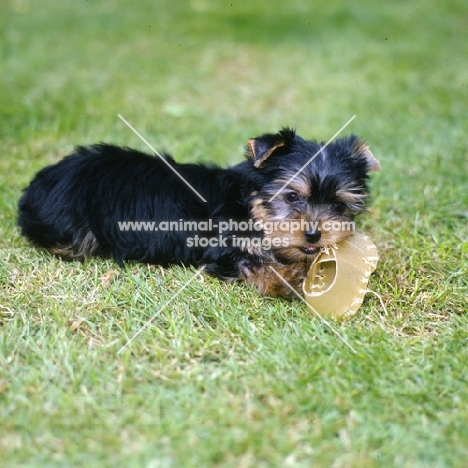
276 279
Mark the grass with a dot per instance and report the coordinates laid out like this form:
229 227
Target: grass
224 377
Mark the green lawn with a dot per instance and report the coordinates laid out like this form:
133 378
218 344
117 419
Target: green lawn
223 377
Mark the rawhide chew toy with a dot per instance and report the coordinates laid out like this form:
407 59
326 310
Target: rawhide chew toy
337 280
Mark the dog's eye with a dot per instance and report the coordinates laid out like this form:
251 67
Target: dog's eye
339 207
291 197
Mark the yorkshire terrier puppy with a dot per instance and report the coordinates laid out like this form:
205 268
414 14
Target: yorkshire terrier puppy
288 199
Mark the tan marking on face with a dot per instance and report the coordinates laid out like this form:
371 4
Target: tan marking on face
258 210
351 195
290 244
298 184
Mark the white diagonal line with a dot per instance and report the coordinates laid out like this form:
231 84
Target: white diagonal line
161 309
313 157
313 310
161 157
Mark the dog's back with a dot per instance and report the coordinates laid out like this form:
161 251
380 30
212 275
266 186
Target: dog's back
74 207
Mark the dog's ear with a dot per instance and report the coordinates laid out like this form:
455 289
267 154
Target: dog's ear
261 148
359 149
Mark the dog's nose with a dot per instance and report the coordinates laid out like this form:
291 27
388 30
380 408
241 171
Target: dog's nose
313 236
